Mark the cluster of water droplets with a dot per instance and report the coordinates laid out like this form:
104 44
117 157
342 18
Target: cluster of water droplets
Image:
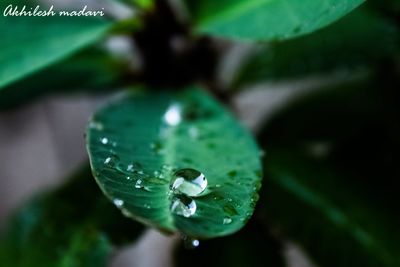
185 185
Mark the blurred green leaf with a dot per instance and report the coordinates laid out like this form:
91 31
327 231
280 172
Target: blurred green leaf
328 213
90 71
253 246
332 168
344 46
29 44
265 19
72 226
143 144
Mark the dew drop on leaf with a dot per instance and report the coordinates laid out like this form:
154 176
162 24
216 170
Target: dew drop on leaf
139 184
111 161
118 202
173 115
227 220
183 206
189 182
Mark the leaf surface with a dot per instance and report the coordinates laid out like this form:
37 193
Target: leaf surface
346 46
140 145
266 19
89 71
29 44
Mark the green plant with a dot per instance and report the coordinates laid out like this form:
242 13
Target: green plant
168 153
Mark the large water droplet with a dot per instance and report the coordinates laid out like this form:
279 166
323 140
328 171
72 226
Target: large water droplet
189 182
183 206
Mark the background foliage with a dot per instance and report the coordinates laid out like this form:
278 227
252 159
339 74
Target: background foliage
330 156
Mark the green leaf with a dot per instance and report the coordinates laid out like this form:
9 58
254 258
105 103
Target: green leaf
31 43
74 226
266 19
329 213
344 46
143 144
253 246
90 71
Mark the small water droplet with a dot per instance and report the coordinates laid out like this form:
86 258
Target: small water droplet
195 243
118 202
104 141
183 206
139 184
111 161
173 115
96 126
134 167
189 242
227 220
189 182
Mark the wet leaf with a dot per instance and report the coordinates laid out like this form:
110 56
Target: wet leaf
176 161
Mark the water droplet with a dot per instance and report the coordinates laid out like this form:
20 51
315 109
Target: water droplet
96 126
189 242
134 167
227 220
111 161
195 243
183 206
189 182
104 141
139 184
173 115
118 202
